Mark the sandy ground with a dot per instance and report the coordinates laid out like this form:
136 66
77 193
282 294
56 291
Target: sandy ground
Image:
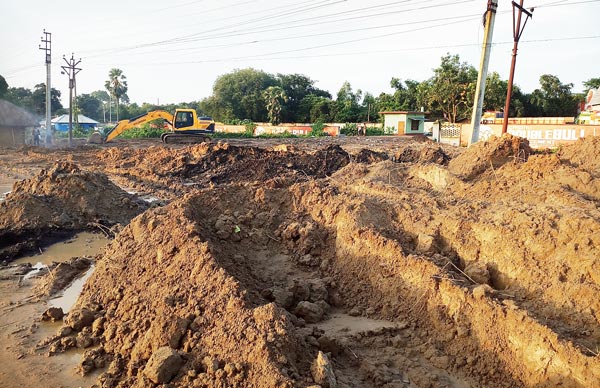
338 262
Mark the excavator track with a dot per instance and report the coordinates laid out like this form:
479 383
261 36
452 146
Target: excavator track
184 138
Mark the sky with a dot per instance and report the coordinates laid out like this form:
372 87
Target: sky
173 51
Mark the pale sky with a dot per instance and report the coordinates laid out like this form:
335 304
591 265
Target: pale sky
173 51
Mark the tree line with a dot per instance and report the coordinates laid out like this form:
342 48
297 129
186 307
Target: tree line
254 95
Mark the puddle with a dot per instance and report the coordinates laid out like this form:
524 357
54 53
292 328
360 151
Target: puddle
5 188
69 296
82 244
344 324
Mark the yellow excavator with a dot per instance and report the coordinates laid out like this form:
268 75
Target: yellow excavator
184 126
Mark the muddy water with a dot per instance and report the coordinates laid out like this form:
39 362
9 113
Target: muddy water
344 324
5 188
69 296
82 244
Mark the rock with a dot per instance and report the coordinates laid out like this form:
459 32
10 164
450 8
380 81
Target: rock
310 312
481 291
478 272
301 290
322 371
163 365
53 314
95 138
84 339
64 331
425 244
211 364
80 318
283 298
355 312
329 345
318 290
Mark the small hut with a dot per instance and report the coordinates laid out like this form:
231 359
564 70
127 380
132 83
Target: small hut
14 123
61 123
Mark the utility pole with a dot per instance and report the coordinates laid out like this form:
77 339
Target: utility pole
490 17
71 70
517 32
47 40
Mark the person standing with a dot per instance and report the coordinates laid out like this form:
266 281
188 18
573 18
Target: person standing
36 137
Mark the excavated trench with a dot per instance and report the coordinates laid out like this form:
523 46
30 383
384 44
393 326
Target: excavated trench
405 272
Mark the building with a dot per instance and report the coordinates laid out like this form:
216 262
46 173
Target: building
404 122
61 123
16 124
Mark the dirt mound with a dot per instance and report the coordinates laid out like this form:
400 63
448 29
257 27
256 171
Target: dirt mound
233 164
166 170
426 152
493 153
160 285
583 154
61 199
368 156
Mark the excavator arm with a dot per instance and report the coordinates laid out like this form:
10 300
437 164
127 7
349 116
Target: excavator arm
124 125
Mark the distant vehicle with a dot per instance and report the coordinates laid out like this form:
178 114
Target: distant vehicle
184 126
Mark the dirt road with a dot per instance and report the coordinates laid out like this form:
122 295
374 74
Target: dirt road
337 262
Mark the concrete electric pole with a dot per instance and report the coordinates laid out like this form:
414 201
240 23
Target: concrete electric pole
71 70
490 17
47 40
517 32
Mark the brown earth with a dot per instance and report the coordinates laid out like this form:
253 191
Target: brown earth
376 262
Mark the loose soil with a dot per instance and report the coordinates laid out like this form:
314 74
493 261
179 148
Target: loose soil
339 262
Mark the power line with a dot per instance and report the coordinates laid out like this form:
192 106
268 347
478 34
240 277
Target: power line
286 26
362 52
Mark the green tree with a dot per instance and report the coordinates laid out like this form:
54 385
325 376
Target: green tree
3 86
296 88
347 104
38 99
20 96
239 95
274 97
104 98
592 83
116 86
553 98
450 91
90 106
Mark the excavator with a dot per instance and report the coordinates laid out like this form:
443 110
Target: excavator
184 126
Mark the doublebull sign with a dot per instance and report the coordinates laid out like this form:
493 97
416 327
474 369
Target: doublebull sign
542 136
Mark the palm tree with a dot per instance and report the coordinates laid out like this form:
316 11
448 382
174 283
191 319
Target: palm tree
274 95
116 86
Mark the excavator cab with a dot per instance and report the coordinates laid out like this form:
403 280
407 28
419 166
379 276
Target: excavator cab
183 119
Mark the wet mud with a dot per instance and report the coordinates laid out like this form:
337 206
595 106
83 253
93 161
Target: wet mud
404 265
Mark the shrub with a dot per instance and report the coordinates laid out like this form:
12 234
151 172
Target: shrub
318 129
349 129
143 131
375 131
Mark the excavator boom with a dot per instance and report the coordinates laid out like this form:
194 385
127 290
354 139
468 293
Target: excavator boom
124 125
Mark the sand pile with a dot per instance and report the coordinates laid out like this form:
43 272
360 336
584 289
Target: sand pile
490 154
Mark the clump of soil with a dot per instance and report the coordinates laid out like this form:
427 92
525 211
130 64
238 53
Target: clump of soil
61 275
61 199
425 152
368 156
493 153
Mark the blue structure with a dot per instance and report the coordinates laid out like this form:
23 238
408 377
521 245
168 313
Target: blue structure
61 123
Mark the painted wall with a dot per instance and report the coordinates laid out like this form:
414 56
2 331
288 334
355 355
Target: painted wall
268 129
539 136
391 121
